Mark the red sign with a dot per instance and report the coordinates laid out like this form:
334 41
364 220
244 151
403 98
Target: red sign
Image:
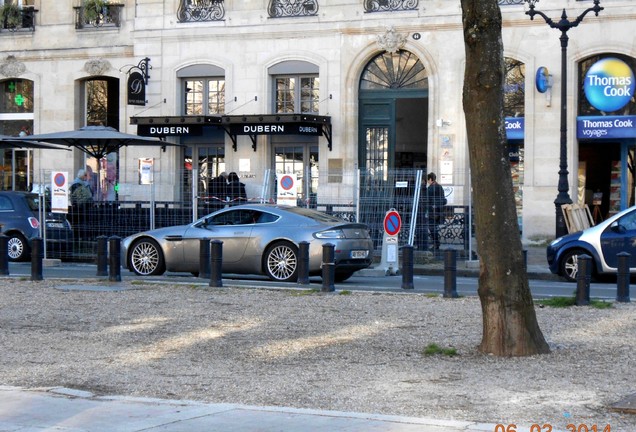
392 223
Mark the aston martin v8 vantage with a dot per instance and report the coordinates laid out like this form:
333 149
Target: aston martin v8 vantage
256 239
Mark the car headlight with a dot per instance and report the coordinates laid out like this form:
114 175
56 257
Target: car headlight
330 234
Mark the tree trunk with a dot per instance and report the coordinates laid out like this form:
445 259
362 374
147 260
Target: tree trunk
510 326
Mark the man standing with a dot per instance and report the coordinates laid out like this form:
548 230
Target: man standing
434 201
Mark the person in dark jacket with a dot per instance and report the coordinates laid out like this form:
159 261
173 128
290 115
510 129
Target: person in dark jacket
434 201
218 191
236 189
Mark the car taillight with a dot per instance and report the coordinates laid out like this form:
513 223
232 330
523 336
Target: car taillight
34 222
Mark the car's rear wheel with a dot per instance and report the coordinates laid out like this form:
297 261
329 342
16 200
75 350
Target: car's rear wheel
18 247
146 258
569 267
281 262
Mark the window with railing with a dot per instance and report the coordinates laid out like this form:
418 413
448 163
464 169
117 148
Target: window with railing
292 8
17 16
510 2
389 5
200 10
97 14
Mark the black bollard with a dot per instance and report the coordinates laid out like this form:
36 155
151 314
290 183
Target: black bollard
204 258
4 254
114 255
37 253
407 267
216 263
622 279
583 278
102 256
525 259
303 263
450 273
328 268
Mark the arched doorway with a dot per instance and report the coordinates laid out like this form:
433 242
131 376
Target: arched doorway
393 113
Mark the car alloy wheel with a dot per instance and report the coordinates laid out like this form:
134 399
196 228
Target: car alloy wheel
17 247
281 262
570 264
146 258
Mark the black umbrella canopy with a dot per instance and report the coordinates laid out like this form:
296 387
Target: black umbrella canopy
96 141
7 142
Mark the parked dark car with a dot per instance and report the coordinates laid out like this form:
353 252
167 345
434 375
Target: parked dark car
257 239
20 221
601 242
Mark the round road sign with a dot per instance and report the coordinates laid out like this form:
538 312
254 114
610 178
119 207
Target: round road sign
287 182
392 223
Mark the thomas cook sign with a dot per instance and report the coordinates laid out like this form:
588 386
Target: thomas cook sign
136 89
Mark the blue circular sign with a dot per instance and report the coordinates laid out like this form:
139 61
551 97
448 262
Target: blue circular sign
541 79
59 179
392 223
287 182
609 84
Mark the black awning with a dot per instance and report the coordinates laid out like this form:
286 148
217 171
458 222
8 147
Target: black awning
234 125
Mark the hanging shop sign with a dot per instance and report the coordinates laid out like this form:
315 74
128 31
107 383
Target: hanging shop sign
136 89
609 84
169 130
275 129
600 127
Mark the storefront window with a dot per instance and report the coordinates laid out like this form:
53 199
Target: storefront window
16 118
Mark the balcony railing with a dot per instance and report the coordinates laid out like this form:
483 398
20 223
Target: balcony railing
389 5
292 8
510 2
22 20
108 16
200 10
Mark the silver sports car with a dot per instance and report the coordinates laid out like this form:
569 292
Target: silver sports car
257 239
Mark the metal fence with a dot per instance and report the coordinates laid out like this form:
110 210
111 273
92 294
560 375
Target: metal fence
356 196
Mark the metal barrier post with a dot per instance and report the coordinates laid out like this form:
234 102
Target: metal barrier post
407 267
328 267
102 256
204 258
622 279
36 259
114 252
4 254
303 263
583 278
525 259
216 264
450 273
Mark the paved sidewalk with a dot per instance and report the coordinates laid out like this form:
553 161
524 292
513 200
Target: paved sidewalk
60 409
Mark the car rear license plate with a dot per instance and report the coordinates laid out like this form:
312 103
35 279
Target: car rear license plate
359 254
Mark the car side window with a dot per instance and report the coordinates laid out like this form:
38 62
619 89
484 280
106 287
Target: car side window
5 204
629 221
266 217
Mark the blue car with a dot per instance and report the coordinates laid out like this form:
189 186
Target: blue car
601 242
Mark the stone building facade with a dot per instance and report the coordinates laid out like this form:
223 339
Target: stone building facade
318 89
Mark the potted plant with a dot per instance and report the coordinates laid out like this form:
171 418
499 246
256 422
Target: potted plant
11 15
93 10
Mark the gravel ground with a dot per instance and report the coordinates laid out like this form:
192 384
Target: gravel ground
360 352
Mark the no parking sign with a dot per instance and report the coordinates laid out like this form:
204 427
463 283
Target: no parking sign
286 190
392 223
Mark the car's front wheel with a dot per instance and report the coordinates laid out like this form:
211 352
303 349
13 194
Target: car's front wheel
570 264
18 248
146 258
281 262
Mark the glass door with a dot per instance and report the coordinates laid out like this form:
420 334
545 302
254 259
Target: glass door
301 160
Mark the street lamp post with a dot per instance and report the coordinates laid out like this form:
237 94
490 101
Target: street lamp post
563 25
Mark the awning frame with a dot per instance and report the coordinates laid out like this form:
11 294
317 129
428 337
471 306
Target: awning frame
226 122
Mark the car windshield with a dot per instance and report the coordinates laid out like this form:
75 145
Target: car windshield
313 214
